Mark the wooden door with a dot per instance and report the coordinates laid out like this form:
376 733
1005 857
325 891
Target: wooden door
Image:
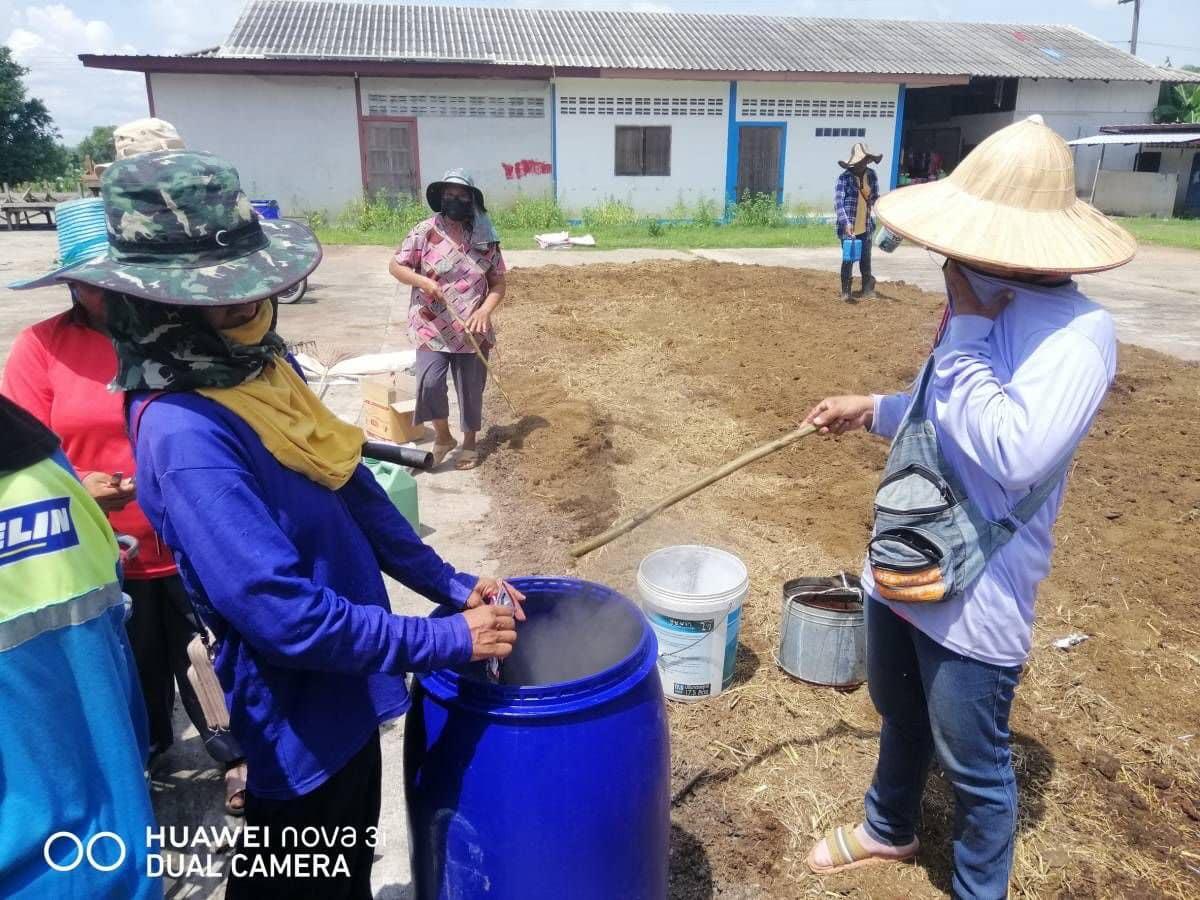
759 151
391 158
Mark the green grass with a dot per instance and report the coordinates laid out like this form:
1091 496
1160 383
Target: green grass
754 222
616 237
1183 233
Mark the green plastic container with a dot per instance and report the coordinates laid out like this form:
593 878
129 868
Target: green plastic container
400 487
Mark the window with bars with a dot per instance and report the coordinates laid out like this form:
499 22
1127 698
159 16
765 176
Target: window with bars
805 108
574 105
643 150
452 106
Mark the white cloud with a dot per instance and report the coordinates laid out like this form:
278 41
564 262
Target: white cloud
48 38
47 41
182 26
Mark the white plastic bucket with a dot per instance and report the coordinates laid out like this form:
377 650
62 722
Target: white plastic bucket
692 596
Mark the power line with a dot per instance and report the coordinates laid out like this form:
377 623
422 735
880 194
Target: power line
1171 46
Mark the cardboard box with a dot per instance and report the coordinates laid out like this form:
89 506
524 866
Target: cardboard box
378 391
393 422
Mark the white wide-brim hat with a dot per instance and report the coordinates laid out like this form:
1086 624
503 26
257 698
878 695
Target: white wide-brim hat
1011 203
146 136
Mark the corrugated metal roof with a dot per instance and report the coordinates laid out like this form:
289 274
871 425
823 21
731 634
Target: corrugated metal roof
315 29
1168 127
1145 137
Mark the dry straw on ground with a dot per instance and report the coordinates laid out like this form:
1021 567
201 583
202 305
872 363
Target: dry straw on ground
635 380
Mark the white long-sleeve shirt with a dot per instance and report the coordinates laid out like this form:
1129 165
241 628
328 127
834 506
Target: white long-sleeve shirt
1008 399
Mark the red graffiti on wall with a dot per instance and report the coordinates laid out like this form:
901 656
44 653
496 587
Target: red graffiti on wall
525 167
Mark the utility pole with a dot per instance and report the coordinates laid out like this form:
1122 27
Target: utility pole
1137 12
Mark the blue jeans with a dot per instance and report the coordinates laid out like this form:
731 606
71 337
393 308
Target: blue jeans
934 700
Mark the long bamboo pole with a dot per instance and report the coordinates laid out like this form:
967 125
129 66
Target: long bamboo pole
626 525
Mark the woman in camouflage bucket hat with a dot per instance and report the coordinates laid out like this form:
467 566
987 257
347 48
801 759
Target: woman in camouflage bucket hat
60 369
280 533
182 232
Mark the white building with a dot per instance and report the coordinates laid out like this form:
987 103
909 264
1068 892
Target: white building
317 102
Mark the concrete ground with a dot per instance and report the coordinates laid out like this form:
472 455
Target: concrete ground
353 307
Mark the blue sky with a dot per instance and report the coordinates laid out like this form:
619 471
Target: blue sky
46 35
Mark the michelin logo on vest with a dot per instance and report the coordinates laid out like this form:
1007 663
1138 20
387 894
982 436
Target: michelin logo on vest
35 529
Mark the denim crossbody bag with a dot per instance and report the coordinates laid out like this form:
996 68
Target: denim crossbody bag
930 540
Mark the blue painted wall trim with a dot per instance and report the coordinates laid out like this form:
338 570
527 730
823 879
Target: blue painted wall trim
554 140
899 138
731 150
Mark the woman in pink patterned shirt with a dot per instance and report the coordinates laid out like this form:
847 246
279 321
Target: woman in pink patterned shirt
452 259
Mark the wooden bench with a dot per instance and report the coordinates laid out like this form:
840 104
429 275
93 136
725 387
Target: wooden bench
22 213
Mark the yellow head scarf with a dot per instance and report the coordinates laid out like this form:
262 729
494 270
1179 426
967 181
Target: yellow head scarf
293 424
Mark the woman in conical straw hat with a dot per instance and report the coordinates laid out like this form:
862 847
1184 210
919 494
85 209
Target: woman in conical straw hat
279 532
974 480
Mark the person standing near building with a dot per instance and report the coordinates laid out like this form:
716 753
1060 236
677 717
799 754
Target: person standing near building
452 259
59 370
75 806
972 487
854 199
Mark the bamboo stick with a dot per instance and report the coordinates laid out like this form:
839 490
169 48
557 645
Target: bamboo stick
626 525
479 352
449 304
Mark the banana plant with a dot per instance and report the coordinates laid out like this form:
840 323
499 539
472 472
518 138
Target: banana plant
1183 105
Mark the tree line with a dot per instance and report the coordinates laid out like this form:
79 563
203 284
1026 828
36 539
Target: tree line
30 148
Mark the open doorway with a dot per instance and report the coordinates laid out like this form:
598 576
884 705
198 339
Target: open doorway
944 124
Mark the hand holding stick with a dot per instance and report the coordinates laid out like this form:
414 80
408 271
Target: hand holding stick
449 295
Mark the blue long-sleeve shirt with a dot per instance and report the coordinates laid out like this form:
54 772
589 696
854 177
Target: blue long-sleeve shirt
287 573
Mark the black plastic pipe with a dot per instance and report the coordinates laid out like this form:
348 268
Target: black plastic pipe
401 456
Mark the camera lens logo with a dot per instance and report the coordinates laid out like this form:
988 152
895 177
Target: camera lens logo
84 851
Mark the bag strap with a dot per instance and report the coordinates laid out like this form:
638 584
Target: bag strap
1027 507
135 421
207 637
917 404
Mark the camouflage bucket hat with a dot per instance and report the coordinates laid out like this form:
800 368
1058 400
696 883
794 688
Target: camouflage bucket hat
182 232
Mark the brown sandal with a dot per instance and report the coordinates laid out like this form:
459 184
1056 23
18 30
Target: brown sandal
847 852
235 789
441 451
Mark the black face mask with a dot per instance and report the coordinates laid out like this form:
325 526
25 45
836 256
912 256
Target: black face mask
457 209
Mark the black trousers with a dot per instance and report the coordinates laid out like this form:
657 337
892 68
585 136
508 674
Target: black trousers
864 265
159 630
346 805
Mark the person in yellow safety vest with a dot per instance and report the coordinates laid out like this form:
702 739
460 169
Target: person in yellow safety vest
74 804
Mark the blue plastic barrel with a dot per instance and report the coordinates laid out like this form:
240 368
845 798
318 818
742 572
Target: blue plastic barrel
543 791
266 209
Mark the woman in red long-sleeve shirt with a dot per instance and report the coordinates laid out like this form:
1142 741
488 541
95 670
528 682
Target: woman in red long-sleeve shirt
59 370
